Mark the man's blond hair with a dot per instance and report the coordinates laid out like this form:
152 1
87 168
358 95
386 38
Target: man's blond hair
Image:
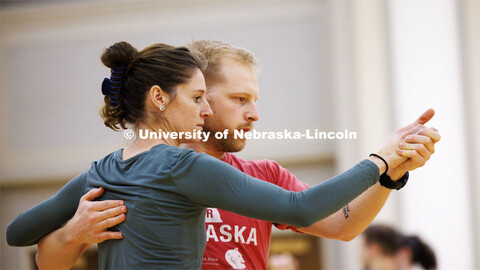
214 50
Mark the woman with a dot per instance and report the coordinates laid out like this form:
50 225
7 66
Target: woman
166 188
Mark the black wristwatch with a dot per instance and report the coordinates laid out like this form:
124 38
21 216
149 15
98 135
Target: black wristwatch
387 182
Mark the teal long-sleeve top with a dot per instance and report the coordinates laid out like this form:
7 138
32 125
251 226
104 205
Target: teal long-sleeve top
167 190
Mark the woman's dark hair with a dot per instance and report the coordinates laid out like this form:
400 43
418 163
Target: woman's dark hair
386 237
421 252
134 73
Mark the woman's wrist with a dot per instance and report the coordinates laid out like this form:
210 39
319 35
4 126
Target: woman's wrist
380 164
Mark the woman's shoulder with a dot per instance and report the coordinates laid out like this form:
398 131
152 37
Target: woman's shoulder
168 157
190 160
170 152
160 152
115 155
160 158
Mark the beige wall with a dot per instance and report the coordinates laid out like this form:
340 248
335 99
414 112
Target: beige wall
427 71
469 20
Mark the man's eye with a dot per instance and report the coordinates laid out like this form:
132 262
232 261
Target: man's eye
198 98
241 99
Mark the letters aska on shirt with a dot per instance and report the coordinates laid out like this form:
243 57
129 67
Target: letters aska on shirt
238 242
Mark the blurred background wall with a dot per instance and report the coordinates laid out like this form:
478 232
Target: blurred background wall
366 66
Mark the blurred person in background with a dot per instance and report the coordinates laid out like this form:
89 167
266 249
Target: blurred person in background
385 248
415 252
380 244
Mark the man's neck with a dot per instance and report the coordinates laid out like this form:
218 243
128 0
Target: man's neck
205 148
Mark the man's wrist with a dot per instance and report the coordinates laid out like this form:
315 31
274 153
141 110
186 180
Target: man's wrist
395 174
67 236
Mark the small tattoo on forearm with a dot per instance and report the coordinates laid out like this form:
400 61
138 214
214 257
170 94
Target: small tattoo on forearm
346 210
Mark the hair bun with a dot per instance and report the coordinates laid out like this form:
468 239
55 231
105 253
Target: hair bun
119 54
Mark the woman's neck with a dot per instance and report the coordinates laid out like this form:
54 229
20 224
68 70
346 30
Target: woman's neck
145 140
151 135
139 146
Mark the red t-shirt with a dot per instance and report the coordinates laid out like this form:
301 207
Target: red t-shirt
238 242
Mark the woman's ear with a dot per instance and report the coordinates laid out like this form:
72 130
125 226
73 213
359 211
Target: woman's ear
158 97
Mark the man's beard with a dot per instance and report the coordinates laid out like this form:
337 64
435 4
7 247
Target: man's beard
230 144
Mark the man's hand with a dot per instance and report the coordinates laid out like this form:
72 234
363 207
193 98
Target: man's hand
417 148
93 218
62 248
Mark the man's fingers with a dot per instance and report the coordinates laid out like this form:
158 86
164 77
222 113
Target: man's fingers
107 235
93 194
110 222
426 116
99 205
427 141
104 205
113 212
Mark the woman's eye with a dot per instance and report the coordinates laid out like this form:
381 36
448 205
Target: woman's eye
198 98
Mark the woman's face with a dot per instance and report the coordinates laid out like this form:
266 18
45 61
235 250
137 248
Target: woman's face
189 108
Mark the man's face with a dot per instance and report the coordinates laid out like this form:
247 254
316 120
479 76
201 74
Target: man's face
233 100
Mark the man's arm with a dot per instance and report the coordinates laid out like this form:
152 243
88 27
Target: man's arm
355 217
57 251
62 248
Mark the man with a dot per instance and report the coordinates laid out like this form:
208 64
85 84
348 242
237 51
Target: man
234 241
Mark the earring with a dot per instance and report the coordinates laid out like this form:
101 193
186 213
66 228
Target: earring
161 107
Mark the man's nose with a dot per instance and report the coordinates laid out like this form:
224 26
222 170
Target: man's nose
252 114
